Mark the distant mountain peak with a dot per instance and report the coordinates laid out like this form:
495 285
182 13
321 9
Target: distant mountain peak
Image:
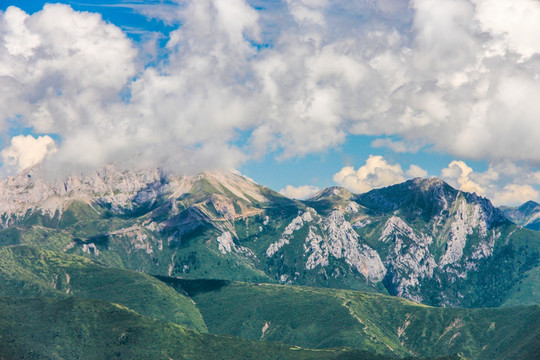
236 183
429 183
332 192
526 215
529 205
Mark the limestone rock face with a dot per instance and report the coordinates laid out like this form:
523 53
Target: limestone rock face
343 242
119 190
331 237
287 235
410 259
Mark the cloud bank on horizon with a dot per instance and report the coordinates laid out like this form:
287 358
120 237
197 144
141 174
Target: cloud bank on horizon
241 80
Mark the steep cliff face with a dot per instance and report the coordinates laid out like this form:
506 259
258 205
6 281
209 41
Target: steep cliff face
342 242
120 191
409 260
323 246
421 239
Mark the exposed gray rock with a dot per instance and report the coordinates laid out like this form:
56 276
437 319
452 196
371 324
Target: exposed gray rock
297 223
410 259
341 241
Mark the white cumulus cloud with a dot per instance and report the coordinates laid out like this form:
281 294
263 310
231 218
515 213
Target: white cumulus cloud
26 151
300 192
376 173
515 194
503 183
459 175
457 76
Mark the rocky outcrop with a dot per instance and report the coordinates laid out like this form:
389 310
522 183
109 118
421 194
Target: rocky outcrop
226 245
409 260
341 241
297 223
414 236
119 190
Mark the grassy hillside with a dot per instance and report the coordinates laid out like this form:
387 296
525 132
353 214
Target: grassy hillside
51 308
527 290
28 272
75 328
324 318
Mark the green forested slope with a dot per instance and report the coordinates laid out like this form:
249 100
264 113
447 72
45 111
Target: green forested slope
28 272
75 328
323 318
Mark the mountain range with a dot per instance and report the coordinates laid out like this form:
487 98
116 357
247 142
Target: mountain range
421 240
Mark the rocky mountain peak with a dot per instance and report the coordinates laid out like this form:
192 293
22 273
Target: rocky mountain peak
234 183
331 193
30 190
429 184
407 237
529 206
432 195
117 189
526 215
427 199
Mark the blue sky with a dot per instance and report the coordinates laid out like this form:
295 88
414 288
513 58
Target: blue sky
297 94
